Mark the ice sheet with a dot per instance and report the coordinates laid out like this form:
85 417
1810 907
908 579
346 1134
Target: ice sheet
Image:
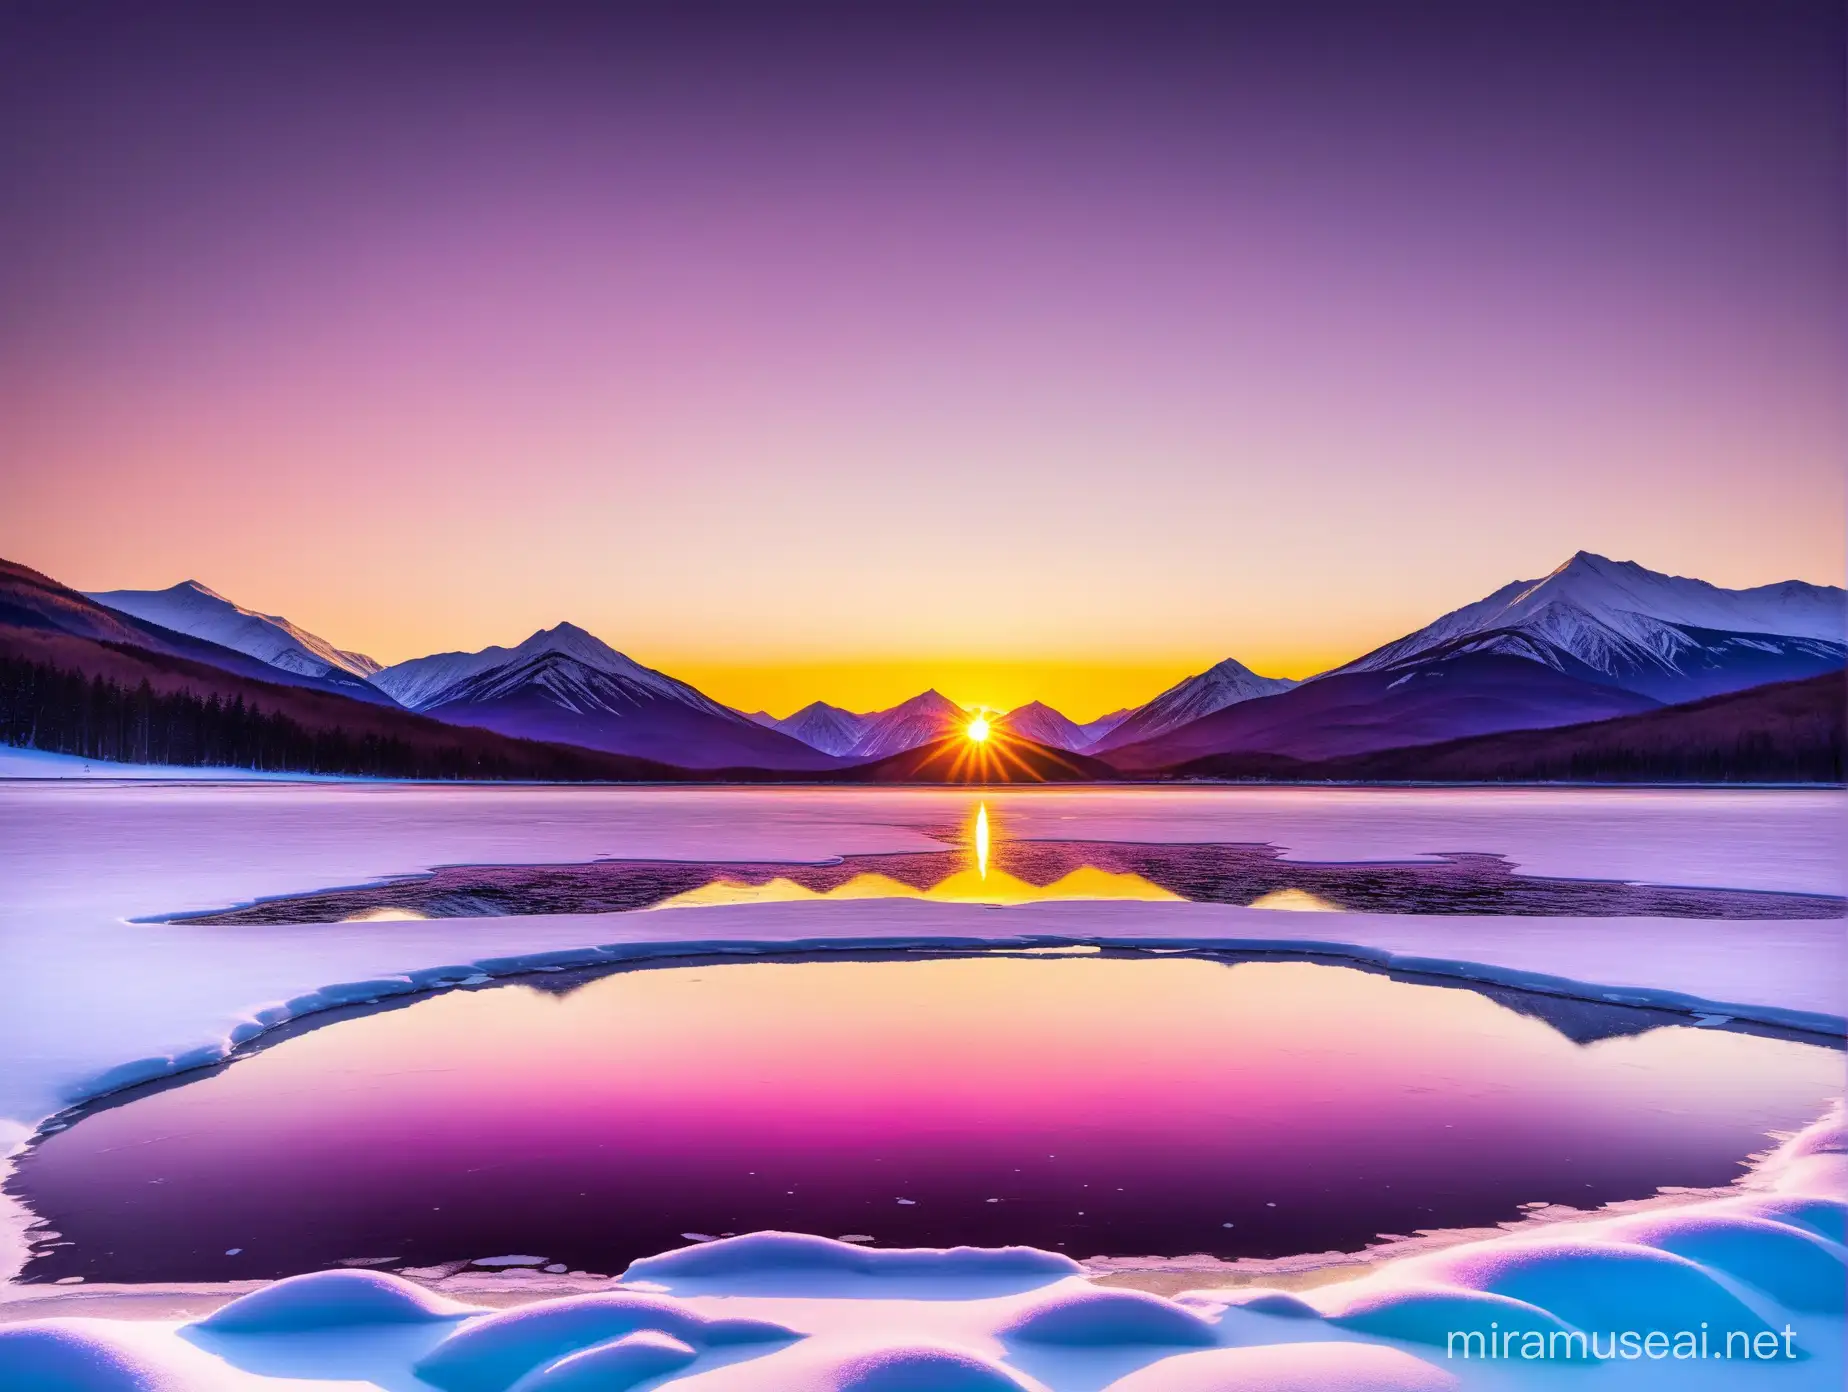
90 999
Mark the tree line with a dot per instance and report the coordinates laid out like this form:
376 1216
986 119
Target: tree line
43 706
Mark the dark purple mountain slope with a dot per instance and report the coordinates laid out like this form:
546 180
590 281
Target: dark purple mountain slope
31 600
1351 713
1786 732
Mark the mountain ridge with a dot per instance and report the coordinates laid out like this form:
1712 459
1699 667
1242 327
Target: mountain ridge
199 611
1039 723
1670 637
1782 732
565 685
33 600
1225 683
1354 712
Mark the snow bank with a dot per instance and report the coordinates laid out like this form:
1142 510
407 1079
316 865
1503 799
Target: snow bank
886 1366
42 763
83 1355
1592 1284
1290 1368
611 1367
1416 1312
797 1263
331 1300
1757 1263
494 1353
1090 1318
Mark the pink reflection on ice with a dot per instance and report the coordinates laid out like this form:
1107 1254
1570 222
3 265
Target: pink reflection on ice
1111 1106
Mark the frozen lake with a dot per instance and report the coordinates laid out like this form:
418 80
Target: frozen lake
97 994
1095 1105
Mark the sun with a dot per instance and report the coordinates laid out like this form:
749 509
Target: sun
978 729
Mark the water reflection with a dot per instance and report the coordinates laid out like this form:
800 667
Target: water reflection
1295 900
981 864
1097 1103
967 885
970 886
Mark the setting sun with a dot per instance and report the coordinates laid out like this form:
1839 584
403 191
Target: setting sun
978 729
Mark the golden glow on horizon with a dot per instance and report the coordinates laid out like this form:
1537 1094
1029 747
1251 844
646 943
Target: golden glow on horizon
978 728
981 838
1082 690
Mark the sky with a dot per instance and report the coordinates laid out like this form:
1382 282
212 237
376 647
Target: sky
840 352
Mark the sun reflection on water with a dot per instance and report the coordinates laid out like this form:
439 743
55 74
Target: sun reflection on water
980 883
1295 900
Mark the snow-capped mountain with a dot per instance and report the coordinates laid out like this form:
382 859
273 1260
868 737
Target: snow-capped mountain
1225 684
195 610
923 719
1667 636
1040 723
827 728
566 685
426 682
1095 730
191 621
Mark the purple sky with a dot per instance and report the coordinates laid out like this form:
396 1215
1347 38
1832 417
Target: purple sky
808 354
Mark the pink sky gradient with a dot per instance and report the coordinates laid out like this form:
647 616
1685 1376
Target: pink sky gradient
1068 373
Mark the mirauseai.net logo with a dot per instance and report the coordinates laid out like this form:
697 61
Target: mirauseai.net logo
1579 1346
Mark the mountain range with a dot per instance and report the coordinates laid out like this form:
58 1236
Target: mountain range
1595 640
566 686
924 719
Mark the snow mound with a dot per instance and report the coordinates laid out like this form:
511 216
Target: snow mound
331 1300
612 1367
921 1368
780 1254
1593 1284
492 1354
885 1367
1421 1314
82 1355
1795 1268
1824 1217
1289 1368
1094 1316
1258 1300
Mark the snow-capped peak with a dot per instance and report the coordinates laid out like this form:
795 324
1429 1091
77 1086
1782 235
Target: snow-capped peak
1223 684
822 726
585 647
1040 723
199 611
426 682
1591 603
925 718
